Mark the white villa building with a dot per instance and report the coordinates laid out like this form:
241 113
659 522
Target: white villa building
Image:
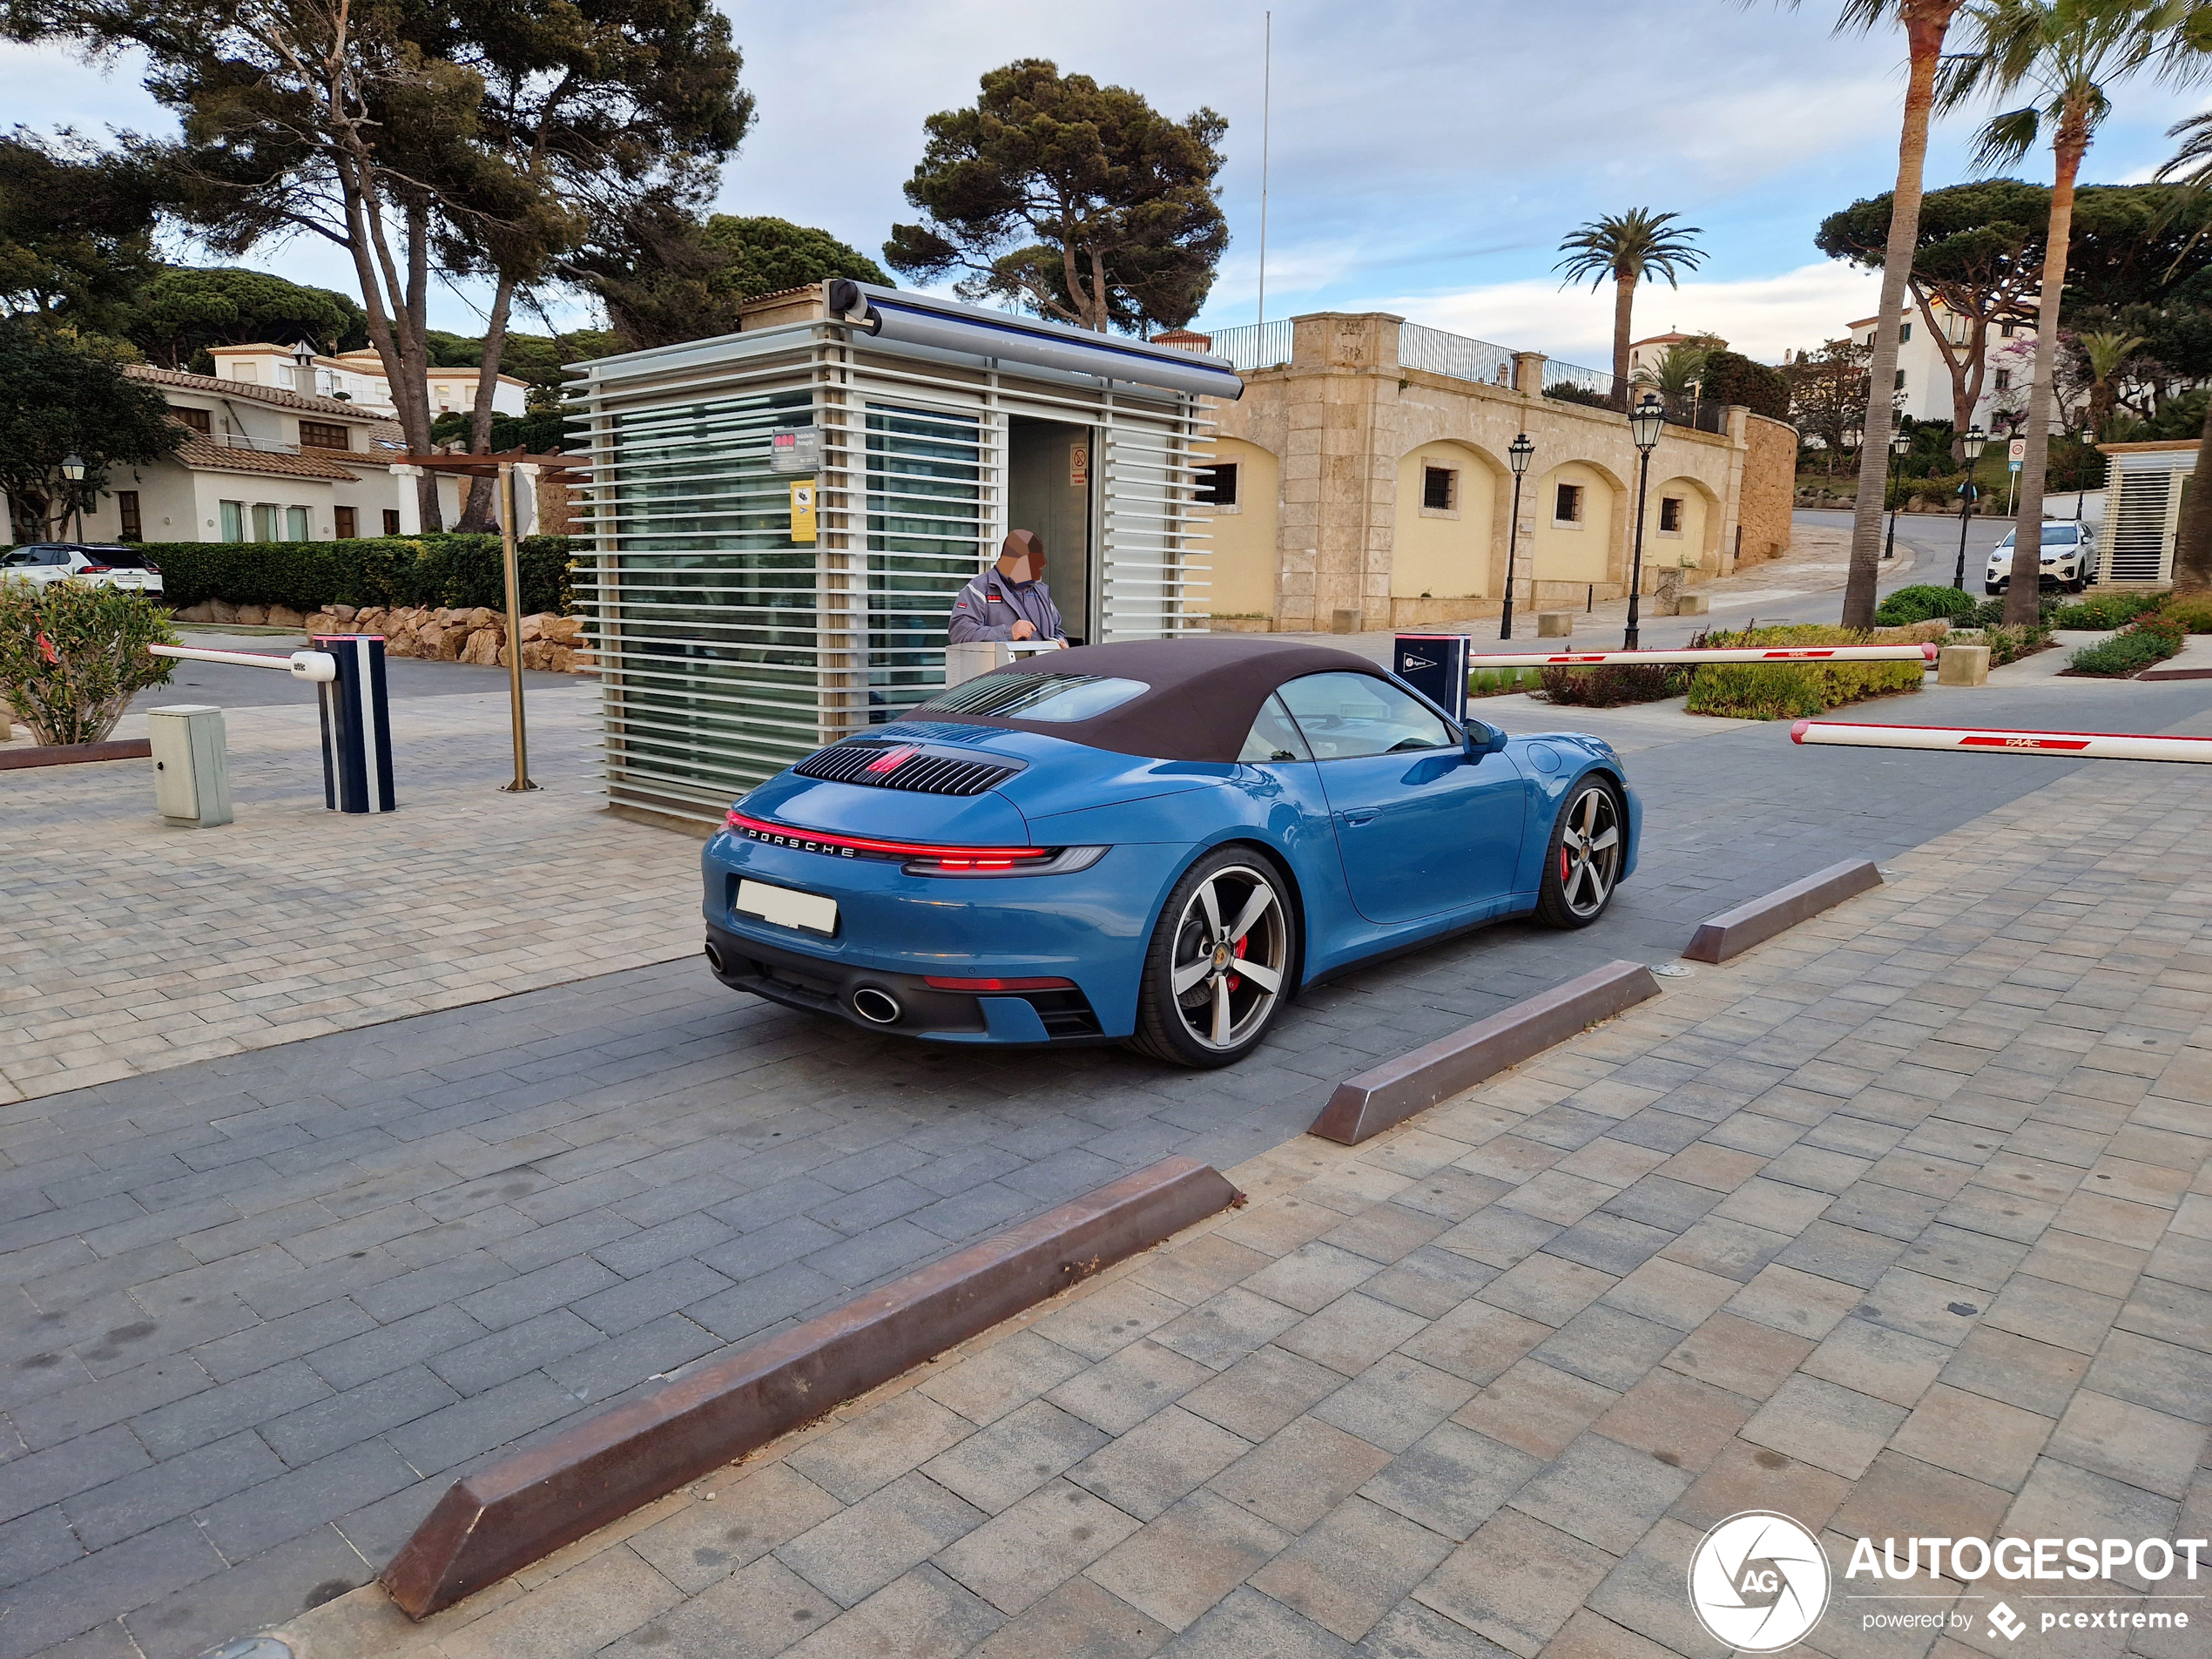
1923 380
283 445
354 377
260 463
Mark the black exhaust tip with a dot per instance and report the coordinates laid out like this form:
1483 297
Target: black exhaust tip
714 957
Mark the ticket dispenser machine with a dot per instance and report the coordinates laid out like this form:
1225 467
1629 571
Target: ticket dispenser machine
1436 666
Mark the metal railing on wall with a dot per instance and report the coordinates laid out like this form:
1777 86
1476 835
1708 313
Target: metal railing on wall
1254 345
1574 383
1455 356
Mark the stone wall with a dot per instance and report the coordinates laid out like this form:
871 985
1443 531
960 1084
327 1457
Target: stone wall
1769 489
1353 542
550 641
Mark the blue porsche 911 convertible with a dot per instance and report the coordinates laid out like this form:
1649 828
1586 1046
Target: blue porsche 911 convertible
1159 842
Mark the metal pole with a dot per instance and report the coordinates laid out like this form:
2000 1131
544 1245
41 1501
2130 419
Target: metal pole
1513 536
1266 112
1966 512
1636 575
522 783
1889 482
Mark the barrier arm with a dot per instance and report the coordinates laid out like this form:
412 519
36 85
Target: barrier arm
317 666
1959 740
1925 655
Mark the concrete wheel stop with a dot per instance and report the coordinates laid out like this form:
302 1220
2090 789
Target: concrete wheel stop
1365 1105
1733 932
532 1503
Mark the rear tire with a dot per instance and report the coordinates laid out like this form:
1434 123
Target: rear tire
1225 933
1582 862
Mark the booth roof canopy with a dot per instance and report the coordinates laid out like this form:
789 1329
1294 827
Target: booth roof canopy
1205 691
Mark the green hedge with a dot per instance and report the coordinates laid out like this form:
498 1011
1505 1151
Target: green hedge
1794 691
452 570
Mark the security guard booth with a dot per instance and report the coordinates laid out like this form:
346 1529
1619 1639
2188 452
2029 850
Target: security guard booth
777 520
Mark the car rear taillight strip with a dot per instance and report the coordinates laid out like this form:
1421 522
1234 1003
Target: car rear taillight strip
836 846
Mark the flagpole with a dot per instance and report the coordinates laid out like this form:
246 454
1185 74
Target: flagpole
1266 112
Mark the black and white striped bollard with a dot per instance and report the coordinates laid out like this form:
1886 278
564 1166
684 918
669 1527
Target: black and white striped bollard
356 726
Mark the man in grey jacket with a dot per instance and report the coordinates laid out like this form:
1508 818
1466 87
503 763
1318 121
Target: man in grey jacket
1010 600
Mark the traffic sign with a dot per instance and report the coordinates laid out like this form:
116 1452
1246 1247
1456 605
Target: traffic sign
2018 452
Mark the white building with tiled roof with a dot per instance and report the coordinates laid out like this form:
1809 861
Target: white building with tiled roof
263 463
355 377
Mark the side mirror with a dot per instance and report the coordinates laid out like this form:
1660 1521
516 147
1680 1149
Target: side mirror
1482 740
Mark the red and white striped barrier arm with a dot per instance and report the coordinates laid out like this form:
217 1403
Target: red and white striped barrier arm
1961 739
1922 654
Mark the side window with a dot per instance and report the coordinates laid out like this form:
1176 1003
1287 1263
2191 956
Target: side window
1274 735
1343 716
1670 516
1567 509
1217 484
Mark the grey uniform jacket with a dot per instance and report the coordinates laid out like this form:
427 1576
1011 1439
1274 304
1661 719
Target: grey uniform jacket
989 606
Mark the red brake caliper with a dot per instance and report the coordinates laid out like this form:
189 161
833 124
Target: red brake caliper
1236 980
1563 867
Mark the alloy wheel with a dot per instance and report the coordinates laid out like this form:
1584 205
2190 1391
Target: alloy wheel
1231 954
1590 850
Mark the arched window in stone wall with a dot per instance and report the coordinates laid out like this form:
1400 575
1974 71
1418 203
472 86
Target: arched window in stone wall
1571 508
1446 524
1242 489
1682 525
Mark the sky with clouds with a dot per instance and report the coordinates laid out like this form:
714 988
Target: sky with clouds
1424 159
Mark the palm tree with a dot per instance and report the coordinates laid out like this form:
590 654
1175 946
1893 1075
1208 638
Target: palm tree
2104 354
1623 249
1924 23
2066 55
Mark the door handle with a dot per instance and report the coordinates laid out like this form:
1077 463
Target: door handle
1356 819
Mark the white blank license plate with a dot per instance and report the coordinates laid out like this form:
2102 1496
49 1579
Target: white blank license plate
786 908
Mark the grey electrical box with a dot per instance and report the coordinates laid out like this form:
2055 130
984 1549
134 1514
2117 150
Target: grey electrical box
191 779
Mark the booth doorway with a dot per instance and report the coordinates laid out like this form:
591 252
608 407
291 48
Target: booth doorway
1051 487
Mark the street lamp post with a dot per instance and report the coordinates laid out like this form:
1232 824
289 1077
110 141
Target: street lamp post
1518 455
1645 421
1973 443
1900 447
73 469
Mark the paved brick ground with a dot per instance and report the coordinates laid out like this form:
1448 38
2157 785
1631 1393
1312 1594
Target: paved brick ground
129 946
260 1310
1899 1224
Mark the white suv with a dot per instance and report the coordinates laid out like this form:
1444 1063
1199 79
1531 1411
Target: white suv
102 566
2069 559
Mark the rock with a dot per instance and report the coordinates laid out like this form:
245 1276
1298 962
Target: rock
482 617
537 653
252 616
561 659
533 627
450 640
285 617
483 647
344 613
566 630
204 611
221 611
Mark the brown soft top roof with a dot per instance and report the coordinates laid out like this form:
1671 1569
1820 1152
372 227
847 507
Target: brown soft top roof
1207 691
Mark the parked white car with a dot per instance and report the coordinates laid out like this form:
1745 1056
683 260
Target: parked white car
2069 559
103 566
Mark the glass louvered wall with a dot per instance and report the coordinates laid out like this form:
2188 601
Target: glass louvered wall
727 649
925 520
709 641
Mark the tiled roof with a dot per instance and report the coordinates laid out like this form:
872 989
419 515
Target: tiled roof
197 451
255 393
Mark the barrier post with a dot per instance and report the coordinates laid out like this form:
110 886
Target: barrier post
356 726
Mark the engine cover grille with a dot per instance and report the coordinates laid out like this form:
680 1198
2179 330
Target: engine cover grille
876 764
